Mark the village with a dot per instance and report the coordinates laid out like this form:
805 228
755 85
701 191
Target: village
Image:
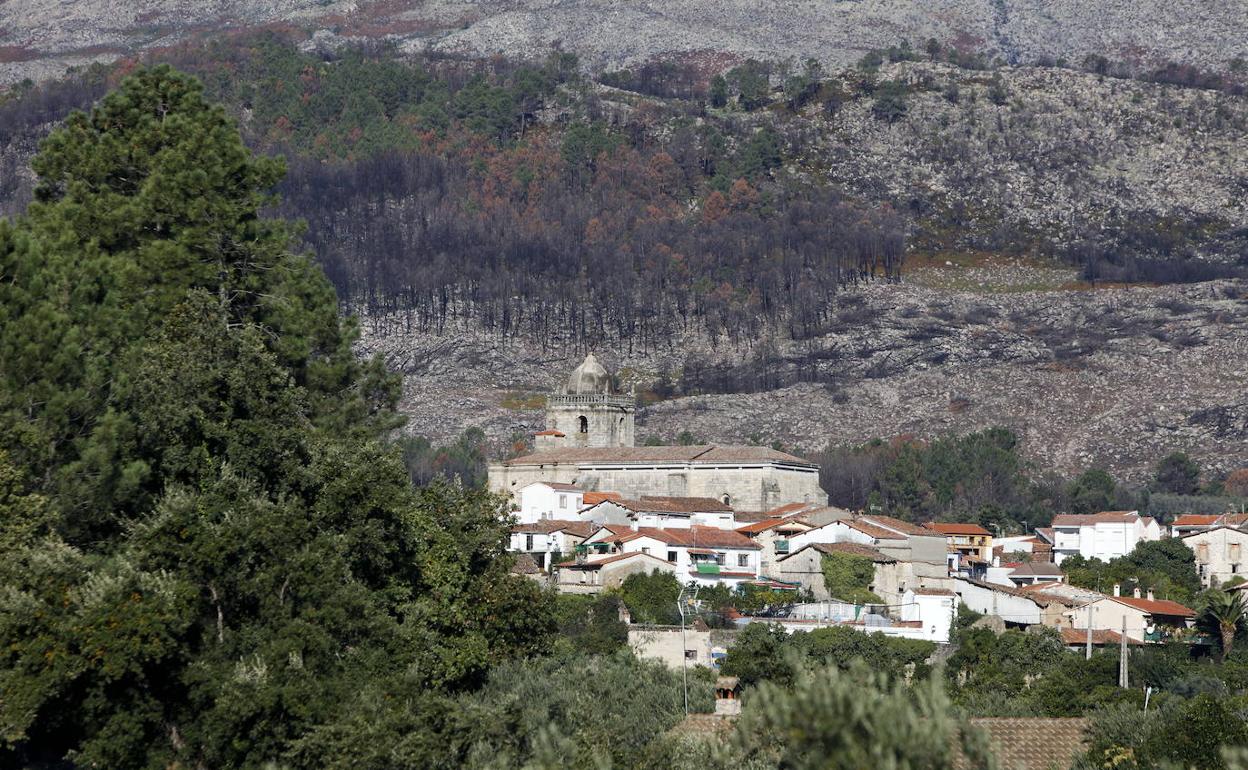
590 509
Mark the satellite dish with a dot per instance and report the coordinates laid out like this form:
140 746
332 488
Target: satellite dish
1150 629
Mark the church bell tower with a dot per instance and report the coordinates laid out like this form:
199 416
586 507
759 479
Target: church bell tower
587 413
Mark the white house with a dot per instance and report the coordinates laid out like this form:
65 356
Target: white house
544 500
1013 606
702 555
664 512
1103 536
1221 554
546 540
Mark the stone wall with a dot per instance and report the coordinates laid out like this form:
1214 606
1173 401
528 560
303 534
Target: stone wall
756 487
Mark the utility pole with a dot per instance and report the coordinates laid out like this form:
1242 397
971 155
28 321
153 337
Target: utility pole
1122 657
1087 652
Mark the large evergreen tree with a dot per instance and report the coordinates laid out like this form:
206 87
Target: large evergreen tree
209 552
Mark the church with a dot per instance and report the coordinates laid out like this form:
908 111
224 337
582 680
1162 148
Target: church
589 442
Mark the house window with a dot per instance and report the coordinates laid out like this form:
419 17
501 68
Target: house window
1234 569
743 560
645 550
563 501
1202 552
583 421
691 654
1234 551
727 498
528 542
671 556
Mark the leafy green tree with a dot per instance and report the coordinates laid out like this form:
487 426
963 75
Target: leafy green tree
852 719
1178 474
890 103
841 646
1092 492
652 598
751 83
590 624
212 551
759 653
719 92
848 577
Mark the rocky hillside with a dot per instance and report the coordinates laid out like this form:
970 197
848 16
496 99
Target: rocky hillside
39 38
1111 377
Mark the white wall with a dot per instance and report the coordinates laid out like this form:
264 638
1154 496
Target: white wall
986 601
540 501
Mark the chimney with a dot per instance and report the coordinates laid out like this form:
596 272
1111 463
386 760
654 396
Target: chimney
1117 590
1136 592
1150 595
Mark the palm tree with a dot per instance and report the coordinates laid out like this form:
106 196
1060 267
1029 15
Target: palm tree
1223 617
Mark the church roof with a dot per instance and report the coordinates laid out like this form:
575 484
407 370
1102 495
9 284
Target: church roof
588 378
708 454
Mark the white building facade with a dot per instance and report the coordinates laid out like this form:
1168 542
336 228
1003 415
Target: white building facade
1103 536
542 501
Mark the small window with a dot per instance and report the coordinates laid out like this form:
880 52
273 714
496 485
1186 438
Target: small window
691 654
645 550
671 556
563 501
743 560
1234 569
727 498
583 421
528 542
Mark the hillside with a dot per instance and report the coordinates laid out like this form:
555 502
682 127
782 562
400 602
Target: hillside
922 243
39 38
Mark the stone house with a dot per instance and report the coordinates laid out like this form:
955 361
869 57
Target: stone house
805 566
1221 554
591 576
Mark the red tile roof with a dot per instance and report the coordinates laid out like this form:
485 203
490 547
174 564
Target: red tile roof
1031 743
756 527
691 504
578 528
950 528
593 498
858 549
673 505
933 592
905 527
1156 606
696 537
1099 636
1195 520
1088 519
870 529
551 432
596 563
787 508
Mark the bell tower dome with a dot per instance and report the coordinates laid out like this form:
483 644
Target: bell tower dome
587 413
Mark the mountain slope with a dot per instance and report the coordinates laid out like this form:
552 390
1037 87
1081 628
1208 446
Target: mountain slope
38 38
